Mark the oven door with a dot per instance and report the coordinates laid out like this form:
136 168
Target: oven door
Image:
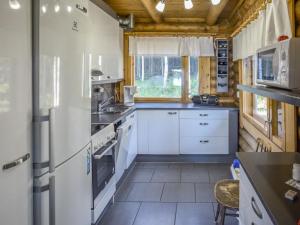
103 167
268 67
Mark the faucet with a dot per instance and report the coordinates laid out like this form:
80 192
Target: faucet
106 102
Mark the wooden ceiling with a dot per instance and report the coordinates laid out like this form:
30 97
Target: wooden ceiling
203 17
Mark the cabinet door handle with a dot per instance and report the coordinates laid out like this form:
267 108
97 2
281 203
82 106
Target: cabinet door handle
204 141
172 113
203 124
256 209
203 115
17 162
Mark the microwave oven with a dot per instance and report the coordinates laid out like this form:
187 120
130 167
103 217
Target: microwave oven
278 65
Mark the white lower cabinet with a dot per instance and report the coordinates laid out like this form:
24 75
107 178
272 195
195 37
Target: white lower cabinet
158 132
204 145
252 211
206 128
204 132
172 132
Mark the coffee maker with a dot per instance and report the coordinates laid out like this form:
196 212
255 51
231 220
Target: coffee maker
129 92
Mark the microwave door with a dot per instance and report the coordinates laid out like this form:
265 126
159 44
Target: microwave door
268 67
275 65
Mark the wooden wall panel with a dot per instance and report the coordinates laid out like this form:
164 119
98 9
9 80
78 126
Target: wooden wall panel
204 75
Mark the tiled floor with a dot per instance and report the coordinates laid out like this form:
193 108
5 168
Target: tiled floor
168 194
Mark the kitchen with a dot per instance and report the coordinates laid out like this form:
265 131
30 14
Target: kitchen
149 112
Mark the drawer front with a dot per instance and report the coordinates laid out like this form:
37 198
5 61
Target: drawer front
205 114
206 128
204 145
251 205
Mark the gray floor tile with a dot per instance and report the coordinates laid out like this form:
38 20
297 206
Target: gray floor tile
141 175
195 175
123 192
229 220
194 214
147 192
219 172
156 214
154 165
181 165
178 192
204 192
121 213
166 175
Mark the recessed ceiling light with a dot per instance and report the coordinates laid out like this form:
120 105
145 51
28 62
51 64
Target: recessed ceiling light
14 4
160 6
188 4
215 2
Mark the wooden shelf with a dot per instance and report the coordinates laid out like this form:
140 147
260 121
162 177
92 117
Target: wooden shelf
280 95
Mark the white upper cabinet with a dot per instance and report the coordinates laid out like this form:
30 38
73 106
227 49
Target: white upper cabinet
105 43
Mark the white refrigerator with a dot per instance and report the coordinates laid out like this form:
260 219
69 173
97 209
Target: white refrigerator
15 113
62 113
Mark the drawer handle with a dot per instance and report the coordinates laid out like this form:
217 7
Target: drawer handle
256 209
203 114
204 141
172 113
203 124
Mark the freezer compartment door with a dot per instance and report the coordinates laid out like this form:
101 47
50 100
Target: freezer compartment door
65 196
73 190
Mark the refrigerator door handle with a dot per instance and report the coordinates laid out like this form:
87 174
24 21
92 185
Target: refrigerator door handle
16 162
52 200
51 140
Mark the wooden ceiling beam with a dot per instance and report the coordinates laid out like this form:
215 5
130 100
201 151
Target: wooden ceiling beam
214 12
180 27
150 7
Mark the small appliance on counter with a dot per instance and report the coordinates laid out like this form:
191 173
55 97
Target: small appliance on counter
205 99
129 92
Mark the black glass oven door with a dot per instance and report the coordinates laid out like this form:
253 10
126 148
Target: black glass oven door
103 170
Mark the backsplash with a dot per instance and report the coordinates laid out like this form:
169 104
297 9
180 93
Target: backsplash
100 93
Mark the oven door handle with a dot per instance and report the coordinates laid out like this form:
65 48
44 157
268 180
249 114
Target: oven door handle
106 150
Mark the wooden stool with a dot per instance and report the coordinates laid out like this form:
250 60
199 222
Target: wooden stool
227 196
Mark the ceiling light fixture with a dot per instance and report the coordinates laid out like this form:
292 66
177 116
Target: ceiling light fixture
14 4
215 2
160 6
188 4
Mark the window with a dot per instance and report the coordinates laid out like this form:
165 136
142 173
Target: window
260 108
158 76
193 76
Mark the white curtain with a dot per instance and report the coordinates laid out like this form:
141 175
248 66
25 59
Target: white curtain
171 46
193 46
167 46
271 23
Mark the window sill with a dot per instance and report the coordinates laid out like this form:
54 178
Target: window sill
257 124
143 99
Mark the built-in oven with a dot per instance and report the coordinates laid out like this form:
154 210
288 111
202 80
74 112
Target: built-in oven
103 167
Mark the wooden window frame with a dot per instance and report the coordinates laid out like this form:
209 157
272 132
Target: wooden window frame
185 81
289 140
